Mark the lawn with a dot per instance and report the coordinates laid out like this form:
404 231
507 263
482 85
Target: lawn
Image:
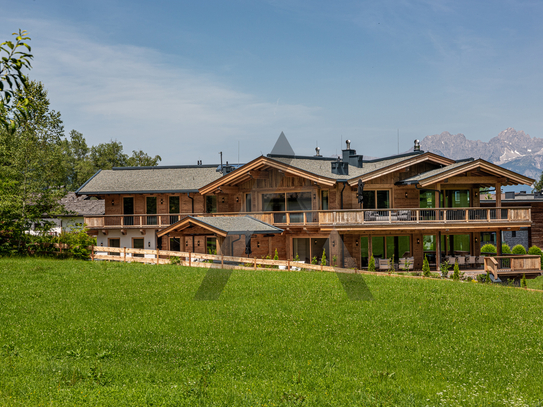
82 333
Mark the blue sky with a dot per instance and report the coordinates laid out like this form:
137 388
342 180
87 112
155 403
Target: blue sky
186 80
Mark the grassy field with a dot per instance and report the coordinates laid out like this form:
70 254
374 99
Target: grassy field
82 333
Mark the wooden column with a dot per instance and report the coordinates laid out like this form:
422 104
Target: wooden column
499 242
438 250
498 200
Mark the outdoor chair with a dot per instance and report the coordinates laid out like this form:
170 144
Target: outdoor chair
384 264
471 260
406 263
461 261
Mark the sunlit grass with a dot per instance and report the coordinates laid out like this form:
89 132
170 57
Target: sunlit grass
75 332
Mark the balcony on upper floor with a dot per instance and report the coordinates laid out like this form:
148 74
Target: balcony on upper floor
347 219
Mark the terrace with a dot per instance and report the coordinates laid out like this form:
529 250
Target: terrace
353 219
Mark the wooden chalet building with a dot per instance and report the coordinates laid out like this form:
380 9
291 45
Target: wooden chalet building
414 204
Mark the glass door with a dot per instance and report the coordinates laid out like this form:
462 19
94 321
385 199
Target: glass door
128 209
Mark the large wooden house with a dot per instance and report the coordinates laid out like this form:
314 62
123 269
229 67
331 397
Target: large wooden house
409 205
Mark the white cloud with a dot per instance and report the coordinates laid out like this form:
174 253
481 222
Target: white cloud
146 101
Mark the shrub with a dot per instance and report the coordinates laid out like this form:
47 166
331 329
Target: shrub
488 248
323 258
314 260
371 264
519 249
175 260
456 272
334 260
425 267
523 281
506 249
536 251
391 266
276 255
297 257
444 268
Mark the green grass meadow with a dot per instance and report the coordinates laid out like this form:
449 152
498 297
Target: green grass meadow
79 333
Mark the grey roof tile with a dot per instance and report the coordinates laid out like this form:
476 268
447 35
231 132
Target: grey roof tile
82 205
437 171
242 224
168 179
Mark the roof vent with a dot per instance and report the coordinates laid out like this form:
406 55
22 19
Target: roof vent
510 195
199 162
340 167
318 152
522 193
348 143
417 146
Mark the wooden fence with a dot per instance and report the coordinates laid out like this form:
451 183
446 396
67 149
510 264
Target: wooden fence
125 254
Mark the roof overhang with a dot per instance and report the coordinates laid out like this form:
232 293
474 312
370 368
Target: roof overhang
503 175
243 174
431 157
257 227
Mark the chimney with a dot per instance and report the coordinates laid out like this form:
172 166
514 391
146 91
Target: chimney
340 167
350 157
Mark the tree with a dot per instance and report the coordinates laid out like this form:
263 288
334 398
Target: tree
13 81
31 165
141 159
538 186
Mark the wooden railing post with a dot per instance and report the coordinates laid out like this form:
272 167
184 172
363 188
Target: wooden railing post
92 253
124 254
488 215
222 261
288 265
157 255
445 215
190 259
288 218
418 216
255 263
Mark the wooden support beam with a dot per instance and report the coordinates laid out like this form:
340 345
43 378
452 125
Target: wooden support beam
257 174
228 190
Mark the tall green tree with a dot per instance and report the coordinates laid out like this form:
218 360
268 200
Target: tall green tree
31 165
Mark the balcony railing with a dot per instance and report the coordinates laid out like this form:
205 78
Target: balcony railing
346 217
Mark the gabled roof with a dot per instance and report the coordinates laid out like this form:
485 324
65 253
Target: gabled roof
173 179
223 225
480 166
243 173
82 206
388 167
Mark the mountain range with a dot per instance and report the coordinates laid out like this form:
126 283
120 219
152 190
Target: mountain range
511 149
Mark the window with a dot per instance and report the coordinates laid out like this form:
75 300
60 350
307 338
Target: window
427 199
211 204
128 209
248 202
291 201
175 244
211 245
273 202
513 234
173 207
114 242
138 243
364 251
376 199
324 200
456 198
151 210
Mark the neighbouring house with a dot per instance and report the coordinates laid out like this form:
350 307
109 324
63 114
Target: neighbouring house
77 208
527 236
405 206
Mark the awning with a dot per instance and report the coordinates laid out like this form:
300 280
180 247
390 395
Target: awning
222 226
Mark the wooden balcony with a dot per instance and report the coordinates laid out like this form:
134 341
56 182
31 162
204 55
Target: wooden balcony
347 219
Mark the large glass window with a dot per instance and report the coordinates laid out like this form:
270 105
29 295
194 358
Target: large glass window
456 244
376 199
300 248
378 247
114 242
248 202
456 198
429 247
173 207
138 244
273 202
151 209
175 244
324 200
211 245
211 204
364 251
427 199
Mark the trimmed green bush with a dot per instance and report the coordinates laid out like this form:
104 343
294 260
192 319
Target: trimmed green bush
456 272
425 267
488 248
506 249
536 251
371 264
519 249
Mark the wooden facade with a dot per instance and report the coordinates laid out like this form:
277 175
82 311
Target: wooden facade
330 217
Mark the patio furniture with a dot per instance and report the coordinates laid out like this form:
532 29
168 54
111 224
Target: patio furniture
471 260
384 264
461 261
406 263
